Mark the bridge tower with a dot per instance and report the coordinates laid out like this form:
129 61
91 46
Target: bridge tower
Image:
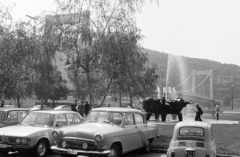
203 72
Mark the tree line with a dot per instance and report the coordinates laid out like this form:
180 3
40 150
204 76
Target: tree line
101 45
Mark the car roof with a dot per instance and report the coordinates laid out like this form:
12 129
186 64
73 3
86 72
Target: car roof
14 109
54 111
117 109
192 123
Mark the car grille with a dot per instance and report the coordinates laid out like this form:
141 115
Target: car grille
77 144
12 140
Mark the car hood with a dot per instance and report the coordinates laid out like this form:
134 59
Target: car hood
88 130
21 130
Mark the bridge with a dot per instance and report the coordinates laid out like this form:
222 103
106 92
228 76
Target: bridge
200 92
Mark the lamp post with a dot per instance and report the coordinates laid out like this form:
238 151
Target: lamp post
162 82
232 95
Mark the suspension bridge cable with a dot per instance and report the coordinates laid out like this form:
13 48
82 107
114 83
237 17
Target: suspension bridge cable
197 85
184 80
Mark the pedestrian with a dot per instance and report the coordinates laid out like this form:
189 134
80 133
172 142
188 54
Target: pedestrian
80 108
199 112
74 106
87 108
2 103
139 105
217 112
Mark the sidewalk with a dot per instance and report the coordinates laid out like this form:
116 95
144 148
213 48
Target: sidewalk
187 118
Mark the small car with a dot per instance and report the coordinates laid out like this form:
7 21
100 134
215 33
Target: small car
12 116
38 107
63 107
106 131
34 134
192 139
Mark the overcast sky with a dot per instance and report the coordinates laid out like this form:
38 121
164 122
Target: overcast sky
207 29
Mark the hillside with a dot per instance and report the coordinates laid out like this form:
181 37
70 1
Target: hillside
221 90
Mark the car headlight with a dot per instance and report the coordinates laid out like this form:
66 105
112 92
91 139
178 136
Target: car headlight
64 144
55 134
24 141
98 138
85 145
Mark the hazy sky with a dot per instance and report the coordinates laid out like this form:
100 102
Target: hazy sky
207 29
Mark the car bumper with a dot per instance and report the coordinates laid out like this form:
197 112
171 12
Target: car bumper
79 152
7 147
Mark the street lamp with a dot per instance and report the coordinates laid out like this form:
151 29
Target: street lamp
232 95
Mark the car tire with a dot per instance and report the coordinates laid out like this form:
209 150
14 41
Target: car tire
41 148
147 146
114 151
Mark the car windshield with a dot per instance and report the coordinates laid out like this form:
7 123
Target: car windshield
2 116
39 119
104 116
191 131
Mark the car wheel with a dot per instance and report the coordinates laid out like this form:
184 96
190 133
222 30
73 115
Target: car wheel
147 147
114 151
41 148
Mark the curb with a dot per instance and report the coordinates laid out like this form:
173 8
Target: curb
156 150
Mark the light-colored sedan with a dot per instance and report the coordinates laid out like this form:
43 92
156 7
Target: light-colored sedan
12 116
34 133
63 107
109 131
192 139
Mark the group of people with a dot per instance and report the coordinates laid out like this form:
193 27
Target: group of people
81 108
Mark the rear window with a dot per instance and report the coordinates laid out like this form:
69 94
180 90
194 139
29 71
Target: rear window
191 131
2 116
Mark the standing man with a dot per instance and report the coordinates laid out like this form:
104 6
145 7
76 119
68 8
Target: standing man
81 109
217 111
199 112
87 108
74 106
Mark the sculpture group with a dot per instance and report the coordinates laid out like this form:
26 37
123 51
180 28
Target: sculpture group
163 107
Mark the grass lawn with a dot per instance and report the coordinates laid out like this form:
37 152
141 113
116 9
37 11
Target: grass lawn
227 135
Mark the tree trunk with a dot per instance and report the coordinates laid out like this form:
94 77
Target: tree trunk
18 102
131 97
120 98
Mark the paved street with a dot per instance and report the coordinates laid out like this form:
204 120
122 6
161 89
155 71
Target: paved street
136 153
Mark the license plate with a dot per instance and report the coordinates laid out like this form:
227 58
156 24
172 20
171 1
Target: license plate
190 154
3 146
74 152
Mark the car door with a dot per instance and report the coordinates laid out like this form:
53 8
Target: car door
133 134
142 126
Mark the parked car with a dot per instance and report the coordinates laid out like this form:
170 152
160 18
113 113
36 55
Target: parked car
38 107
12 116
34 133
192 139
106 131
63 107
